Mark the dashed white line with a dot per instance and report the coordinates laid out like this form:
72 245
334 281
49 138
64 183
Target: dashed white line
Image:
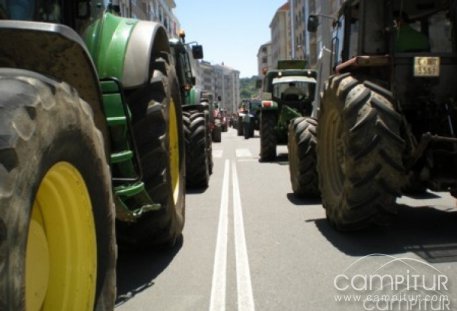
243 153
218 287
217 153
243 275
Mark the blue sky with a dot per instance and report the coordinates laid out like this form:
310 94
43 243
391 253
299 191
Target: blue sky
231 32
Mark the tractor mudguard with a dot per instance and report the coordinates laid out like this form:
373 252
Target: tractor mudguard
287 113
193 101
122 47
269 105
55 51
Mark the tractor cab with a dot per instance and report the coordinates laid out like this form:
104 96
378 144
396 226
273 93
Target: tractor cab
75 14
186 56
294 91
412 37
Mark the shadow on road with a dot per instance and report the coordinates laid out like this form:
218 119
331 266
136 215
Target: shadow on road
428 232
303 201
196 190
136 270
282 159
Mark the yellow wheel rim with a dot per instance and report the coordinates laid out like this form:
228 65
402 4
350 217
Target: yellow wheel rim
61 258
174 151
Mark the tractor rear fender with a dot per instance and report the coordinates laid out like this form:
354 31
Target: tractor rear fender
124 48
56 51
286 114
269 105
148 38
192 98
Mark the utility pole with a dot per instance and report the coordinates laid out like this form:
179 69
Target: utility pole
292 28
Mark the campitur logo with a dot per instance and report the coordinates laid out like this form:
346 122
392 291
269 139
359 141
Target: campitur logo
394 284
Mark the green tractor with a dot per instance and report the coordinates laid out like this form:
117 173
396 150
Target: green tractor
91 137
288 93
248 117
197 132
215 125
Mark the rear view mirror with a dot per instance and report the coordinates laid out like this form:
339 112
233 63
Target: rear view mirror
197 51
313 23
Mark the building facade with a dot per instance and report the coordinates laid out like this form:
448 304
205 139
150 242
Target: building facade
280 34
226 85
298 28
219 80
316 44
295 42
207 77
161 11
264 59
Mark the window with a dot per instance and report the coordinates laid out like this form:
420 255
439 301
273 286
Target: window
354 34
49 11
337 42
440 33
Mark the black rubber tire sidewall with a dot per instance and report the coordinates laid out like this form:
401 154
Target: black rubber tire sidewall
363 190
162 227
302 142
217 134
197 165
268 139
61 132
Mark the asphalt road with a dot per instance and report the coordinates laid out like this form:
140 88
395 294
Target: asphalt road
250 244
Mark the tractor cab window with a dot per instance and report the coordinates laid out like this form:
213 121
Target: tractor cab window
3 11
440 30
47 11
293 90
354 32
19 9
374 37
337 41
425 27
50 11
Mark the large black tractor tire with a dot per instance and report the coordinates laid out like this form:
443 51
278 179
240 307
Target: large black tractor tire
359 153
252 131
240 127
197 161
57 237
268 139
217 134
247 130
302 142
160 141
209 141
413 185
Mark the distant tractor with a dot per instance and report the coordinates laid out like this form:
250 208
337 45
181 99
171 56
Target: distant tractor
195 114
218 124
91 137
388 115
248 117
207 99
288 93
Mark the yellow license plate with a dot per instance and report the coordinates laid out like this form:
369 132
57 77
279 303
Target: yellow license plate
426 66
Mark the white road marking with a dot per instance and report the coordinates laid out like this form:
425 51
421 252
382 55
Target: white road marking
243 153
218 287
217 153
243 275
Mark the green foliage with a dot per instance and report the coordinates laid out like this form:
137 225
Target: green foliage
248 87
